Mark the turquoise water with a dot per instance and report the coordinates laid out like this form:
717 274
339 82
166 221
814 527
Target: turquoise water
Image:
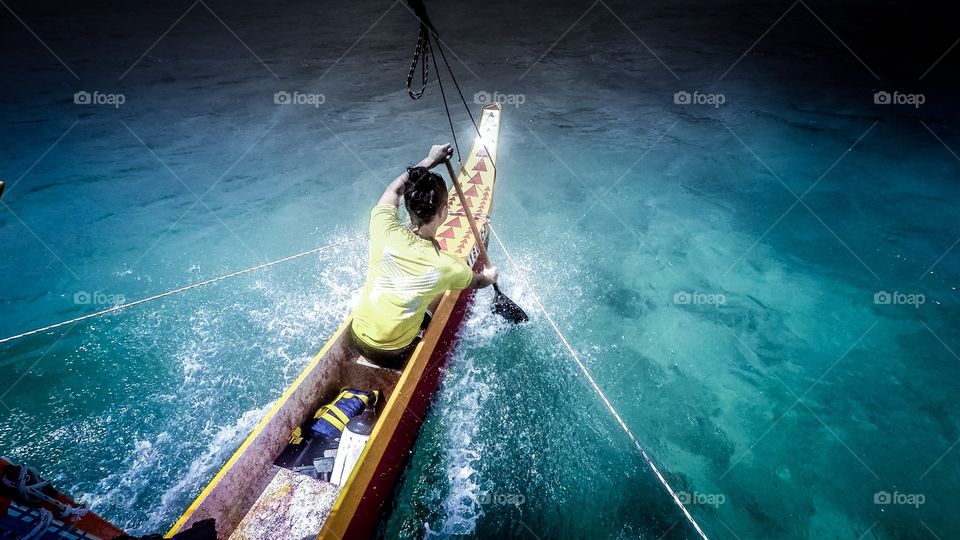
741 343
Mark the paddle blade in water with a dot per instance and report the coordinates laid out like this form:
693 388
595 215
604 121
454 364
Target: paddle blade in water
507 308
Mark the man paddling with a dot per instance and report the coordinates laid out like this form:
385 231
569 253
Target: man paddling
407 272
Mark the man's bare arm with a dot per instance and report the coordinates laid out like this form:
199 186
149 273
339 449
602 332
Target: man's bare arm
394 191
438 154
484 278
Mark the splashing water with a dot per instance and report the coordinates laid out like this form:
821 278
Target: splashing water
221 353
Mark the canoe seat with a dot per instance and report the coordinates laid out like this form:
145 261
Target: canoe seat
364 362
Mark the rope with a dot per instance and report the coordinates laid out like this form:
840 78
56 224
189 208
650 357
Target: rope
453 132
45 518
29 486
120 307
419 56
462 99
596 387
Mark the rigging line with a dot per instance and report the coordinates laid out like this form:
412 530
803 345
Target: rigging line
462 99
447 108
596 387
120 307
426 37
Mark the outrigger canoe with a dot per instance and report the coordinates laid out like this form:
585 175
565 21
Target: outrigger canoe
252 498
32 508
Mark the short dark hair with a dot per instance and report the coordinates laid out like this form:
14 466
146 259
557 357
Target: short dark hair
424 193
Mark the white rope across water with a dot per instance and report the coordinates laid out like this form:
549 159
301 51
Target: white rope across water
596 387
533 293
119 307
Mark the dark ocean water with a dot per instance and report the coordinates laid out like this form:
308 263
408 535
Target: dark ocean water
753 252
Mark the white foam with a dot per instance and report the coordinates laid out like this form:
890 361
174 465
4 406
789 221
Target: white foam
463 449
464 395
218 336
223 443
123 489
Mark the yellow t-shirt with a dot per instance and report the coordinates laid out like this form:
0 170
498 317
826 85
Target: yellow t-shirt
405 273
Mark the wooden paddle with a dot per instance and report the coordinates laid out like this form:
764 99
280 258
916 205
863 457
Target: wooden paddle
503 306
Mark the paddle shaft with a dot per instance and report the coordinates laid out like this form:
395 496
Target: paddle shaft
466 210
502 305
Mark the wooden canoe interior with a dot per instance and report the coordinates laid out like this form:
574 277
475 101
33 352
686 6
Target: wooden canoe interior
294 505
251 483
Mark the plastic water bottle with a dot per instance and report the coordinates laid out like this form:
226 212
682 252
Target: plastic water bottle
352 441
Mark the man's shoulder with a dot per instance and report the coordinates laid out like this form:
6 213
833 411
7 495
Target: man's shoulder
384 208
383 219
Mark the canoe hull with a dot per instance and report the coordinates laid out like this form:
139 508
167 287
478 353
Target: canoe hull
20 518
356 515
232 497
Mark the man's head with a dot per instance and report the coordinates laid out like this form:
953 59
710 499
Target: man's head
425 196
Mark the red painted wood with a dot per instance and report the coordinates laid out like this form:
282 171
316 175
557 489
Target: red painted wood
367 515
91 522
